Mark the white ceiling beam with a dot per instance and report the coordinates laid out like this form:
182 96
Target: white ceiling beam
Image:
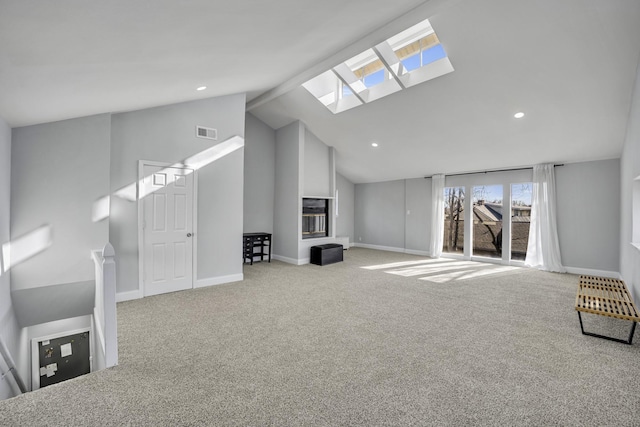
346 75
391 61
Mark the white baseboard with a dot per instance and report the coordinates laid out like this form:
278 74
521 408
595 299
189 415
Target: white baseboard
212 281
450 255
416 252
128 296
131 295
391 249
378 247
291 260
591 272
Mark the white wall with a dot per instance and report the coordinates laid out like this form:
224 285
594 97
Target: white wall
588 208
9 330
167 134
58 170
259 175
346 206
630 169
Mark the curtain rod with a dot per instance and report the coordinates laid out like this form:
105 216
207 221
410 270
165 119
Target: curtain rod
490 171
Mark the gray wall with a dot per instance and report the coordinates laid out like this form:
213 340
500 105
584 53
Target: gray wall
317 168
346 206
259 175
418 214
396 214
380 214
9 329
286 222
58 170
167 134
588 201
630 169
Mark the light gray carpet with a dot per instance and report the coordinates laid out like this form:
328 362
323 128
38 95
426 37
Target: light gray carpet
344 345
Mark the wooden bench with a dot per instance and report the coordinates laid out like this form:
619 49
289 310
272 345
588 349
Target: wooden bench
606 297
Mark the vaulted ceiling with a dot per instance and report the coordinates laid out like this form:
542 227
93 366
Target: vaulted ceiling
569 65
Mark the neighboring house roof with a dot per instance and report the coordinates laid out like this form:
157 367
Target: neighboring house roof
494 207
519 237
521 208
526 219
487 213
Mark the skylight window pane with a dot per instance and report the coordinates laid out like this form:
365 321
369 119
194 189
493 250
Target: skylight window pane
395 64
412 63
433 54
408 50
374 78
368 69
360 60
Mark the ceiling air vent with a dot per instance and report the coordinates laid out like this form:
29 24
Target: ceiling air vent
208 133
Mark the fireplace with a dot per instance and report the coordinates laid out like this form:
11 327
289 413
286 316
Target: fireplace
315 218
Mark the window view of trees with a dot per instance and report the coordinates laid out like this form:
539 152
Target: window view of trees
487 221
453 220
487 213
520 219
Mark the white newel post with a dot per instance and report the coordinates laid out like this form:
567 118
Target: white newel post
109 300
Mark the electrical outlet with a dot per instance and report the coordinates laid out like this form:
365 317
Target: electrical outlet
359 239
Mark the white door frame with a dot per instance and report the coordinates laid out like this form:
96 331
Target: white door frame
194 256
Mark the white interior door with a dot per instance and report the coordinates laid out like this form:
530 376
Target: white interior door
167 229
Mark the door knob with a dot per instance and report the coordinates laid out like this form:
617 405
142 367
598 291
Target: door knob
188 234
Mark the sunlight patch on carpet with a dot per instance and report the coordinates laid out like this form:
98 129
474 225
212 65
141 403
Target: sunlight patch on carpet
405 263
469 274
442 270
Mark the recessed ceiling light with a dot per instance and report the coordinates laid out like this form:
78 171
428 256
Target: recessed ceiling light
374 144
519 115
201 88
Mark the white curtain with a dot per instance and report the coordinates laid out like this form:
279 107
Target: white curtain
543 250
437 215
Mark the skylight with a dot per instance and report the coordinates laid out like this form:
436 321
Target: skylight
411 57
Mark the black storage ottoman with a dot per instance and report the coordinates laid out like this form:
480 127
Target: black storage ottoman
326 254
